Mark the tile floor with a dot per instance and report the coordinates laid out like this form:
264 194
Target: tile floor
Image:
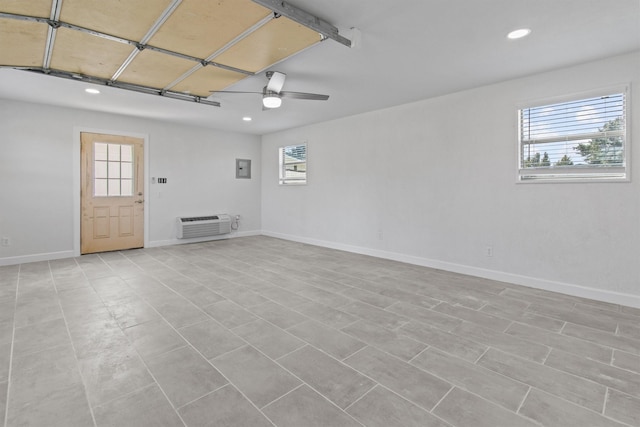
263 332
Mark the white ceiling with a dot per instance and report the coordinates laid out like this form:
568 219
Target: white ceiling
406 50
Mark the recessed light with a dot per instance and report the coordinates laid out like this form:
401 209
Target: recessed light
92 91
518 34
247 119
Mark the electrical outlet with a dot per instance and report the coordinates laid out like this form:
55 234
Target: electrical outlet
380 235
488 251
6 241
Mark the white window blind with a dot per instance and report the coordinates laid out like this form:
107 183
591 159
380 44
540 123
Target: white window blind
293 164
578 139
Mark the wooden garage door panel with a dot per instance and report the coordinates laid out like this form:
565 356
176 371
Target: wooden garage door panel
39 8
271 43
207 79
130 19
82 53
155 69
22 43
199 28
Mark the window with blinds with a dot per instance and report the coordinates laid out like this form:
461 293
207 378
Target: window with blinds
579 139
293 164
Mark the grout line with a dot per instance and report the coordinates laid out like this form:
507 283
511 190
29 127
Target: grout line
13 336
204 395
73 347
442 398
475 362
523 399
361 397
604 404
416 356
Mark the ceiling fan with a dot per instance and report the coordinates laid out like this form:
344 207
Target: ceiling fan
272 93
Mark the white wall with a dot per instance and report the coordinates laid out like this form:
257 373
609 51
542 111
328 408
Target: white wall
436 180
39 177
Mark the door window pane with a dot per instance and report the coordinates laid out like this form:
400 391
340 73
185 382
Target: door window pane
100 186
100 151
126 187
114 187
113 170
114 152
100 170
126 170
126 153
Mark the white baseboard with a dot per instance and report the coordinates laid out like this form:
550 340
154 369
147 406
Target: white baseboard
50 256
629 300
35 258
233 235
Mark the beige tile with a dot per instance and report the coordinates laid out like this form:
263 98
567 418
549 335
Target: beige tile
145 407
548 410
630 362
269 339
408 381
184 375
623 343
305 407
429 317
572 388
579 318
211 339
5 358
382 408
229 313
62 407
153 338
3 399
329 340
324 314
460 408
392 342
565 343
450 343
112 373
278 314
607 375
255 375
330 299
521 315
475 379
334 380
622 407
505 342
371 298
40 336
473 316
225 407
242 296
376 315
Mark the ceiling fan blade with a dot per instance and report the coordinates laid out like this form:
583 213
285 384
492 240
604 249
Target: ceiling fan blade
303 95
276 81
231 91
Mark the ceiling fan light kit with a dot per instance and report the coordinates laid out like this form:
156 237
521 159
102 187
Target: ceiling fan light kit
272 93
271 100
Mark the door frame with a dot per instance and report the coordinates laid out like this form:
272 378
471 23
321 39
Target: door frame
77 130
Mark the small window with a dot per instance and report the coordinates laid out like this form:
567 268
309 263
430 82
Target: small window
113 170
580 139
293 164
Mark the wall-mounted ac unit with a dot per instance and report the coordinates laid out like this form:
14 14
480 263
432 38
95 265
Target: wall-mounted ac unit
203 226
